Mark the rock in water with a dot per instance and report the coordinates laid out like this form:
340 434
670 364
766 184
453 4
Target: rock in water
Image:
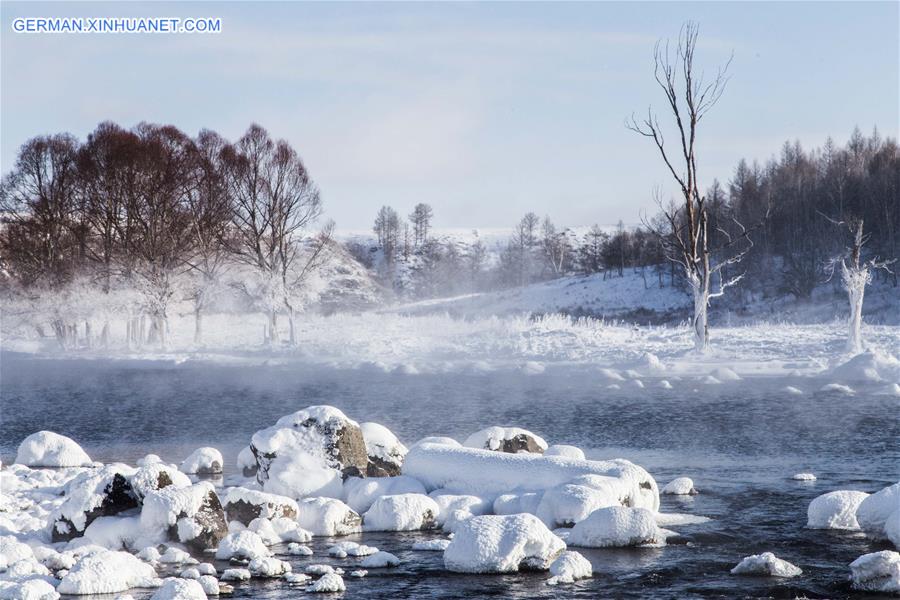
203 461
385 451
507 439
502 544
191 515
244 505
92 494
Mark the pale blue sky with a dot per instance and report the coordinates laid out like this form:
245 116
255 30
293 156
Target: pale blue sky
486 111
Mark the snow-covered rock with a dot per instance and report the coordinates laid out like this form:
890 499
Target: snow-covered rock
328 583
617 526
243 505
379 560
873 512
190 515
115 533
567 504
458 507
506 439
877 572
235 574
892 528
295 549
156 475
179 589
309 452
511 504
438 545
402 512
242 545
28 589
385 451
268 566
327 516
483 472
92 494
835 510
766 564
246 462
209 584
12 551
502 544
564 450
680 486
803 477
48 449
107 572
361 493
568 567
203 461
345 549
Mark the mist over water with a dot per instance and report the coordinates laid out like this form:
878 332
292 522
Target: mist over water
739 441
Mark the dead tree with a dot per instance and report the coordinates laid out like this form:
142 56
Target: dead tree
689 97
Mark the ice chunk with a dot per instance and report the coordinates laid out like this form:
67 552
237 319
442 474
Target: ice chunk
680 486
568 567
874 511
766 564
506 439
617 526
835 510
327 516
502 544
48 449
402 512
203 461
877 572
107 572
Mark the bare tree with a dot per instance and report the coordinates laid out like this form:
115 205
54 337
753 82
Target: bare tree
856 274
689 98
421 222
387 229
274 202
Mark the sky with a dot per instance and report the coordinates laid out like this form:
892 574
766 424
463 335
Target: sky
483 110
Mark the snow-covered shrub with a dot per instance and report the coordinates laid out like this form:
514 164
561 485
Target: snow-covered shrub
502 544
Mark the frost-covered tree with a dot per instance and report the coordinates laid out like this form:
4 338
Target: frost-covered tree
421 222
387 230
689 98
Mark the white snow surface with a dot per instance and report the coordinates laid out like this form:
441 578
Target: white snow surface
835 510
565 450
617 526
48 449
382 443
484 472
877 572
360 493
502 544
766 564
204 460
243 544
179 589
327 583
107 572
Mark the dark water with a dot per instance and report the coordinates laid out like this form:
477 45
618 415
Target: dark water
740 442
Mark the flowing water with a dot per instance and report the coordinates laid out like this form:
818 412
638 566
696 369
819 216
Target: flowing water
739 441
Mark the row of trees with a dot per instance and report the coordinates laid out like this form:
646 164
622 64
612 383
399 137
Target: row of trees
147 215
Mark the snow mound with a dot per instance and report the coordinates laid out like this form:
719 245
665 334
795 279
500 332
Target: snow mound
242 545
402 512
152 476
617 526
345 549
385 451
870 366
873 512
29 589
107 572
506 439
268 566
502 544
48 449
179 589
279 530
485 473
564 450
458 507
766 564
680 486
379 560
209 584
568 567
877 572
295 549
327 516
246 462
203 461
361 493
835 510
329 583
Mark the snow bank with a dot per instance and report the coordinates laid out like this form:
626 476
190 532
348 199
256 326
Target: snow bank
327 516
873 512
877 572
506 439
483 472
385 451
48 449
361 493
680 486
502 544
179 589
402 512
107 572
835 510
568 567
766 564
871 366
617 526
203 461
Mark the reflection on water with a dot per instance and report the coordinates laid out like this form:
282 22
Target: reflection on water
740 442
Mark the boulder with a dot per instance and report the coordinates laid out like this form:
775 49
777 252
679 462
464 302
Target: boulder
766 564
402 512
507 439
327 516
873 512
385 451
191 515
617 526
244 505
48 449
97 493
203 461
502 544
835 510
